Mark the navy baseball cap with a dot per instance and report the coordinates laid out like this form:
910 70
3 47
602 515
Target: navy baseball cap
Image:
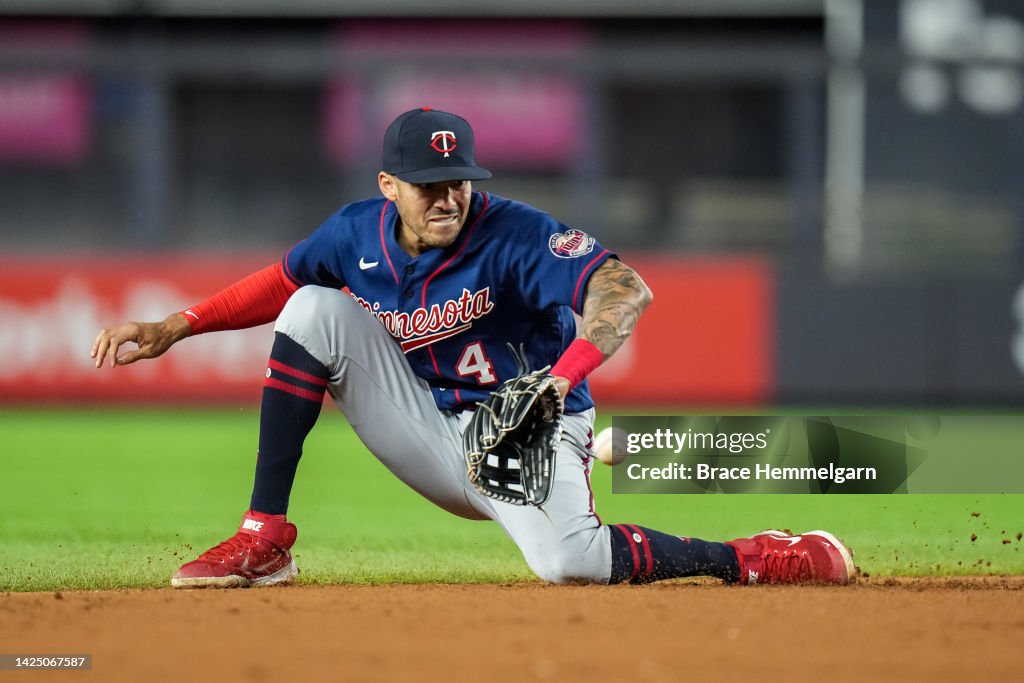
429 146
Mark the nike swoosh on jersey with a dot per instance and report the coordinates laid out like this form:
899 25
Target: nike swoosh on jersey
363 265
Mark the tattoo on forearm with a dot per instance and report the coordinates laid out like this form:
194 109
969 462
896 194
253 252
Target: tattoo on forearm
616 296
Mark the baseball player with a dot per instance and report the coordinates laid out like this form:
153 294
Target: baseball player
450 292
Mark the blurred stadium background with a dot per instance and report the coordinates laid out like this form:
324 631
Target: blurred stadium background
826 195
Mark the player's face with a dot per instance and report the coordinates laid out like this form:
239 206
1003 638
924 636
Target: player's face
432 214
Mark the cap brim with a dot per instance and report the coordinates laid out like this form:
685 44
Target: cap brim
444 173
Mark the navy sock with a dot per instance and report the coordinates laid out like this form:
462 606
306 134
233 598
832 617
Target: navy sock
292 396
642 555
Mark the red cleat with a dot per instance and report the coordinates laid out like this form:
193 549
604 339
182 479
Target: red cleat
255 556
778 557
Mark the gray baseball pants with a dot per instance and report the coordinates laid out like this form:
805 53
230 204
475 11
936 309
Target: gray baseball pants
395 416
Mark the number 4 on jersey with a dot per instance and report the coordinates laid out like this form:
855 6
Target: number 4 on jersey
474 362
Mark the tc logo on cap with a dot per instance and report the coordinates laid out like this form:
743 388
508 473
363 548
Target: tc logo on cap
443 141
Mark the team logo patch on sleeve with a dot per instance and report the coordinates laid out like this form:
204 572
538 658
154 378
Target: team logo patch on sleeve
571 244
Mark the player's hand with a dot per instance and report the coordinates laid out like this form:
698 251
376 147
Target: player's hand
152 340
562 384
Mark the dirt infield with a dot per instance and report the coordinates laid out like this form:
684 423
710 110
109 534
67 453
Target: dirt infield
911 629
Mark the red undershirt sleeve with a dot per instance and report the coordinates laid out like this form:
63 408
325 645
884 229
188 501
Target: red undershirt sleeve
253 300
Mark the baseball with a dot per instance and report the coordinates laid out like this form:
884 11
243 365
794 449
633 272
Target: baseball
610 446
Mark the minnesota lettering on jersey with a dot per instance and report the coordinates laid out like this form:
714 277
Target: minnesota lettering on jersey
426 326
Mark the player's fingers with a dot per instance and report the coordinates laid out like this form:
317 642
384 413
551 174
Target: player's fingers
146 350
96 343
131 357
113 344
100 349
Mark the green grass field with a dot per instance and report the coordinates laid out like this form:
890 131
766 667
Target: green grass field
120 498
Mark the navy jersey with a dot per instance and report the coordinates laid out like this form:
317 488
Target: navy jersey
513 276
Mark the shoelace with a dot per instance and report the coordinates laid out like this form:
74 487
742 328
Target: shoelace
785 568
225 549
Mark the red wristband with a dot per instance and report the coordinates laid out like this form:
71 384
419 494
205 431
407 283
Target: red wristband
578 361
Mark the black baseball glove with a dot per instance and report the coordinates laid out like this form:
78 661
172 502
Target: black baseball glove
511 440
